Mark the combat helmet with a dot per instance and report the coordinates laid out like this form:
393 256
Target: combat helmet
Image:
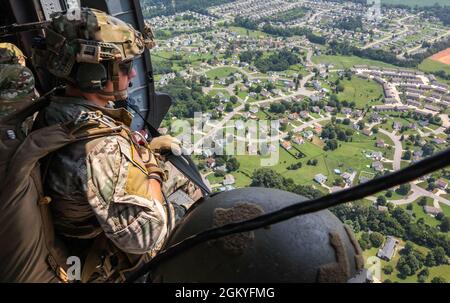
315 247
87 47
10 54
16 80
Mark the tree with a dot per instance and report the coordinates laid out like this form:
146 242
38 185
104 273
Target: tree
388 269
438 280
339 181
445 224
422 201
266 177
233 99
428 149
407 155
439 255
429 260
247 107
229 107
219 173
423 275
404 189
232 164
389 193
376 239
381 200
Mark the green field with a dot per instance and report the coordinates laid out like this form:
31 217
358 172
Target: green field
416 2
349 156
361 91
348 61
221 72
442 270
429 65
245 32
419 213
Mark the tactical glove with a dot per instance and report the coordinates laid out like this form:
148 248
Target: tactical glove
164 144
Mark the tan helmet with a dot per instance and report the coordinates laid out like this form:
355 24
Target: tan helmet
10 54
86 47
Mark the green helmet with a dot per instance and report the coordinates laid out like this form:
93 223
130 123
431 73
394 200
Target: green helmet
10 54
86 47
314 247
16 88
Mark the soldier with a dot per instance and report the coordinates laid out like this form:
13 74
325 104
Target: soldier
107 203
16 80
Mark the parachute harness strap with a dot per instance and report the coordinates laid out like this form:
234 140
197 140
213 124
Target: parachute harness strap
408 174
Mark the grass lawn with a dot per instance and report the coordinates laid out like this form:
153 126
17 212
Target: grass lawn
419 213
348 61
442 270
429 65
245 32
445 209
220 72
348 157
361 91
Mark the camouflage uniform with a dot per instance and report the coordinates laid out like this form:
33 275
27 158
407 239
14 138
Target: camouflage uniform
16 81
97 187
100 187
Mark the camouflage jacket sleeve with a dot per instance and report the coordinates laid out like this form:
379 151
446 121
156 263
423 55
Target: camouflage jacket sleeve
119 194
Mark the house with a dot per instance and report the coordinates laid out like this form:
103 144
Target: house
211 162
254 109
293 116
228 180
321 179
388 250
380 143
284 121
329 109
431 210
346 110
347 177
378 166
286 145
382 208
318 129
315 109
222 168
308 135
297 139
367 132
441 184
207 153
376 155
304 114
396 125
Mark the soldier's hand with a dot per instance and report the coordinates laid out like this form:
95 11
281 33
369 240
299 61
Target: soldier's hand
164 144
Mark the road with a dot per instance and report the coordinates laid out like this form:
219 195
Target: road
389 37
417 191
398 148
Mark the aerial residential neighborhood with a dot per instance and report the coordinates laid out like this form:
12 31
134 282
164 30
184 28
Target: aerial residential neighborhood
357 91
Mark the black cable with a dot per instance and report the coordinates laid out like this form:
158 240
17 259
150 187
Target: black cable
426 166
